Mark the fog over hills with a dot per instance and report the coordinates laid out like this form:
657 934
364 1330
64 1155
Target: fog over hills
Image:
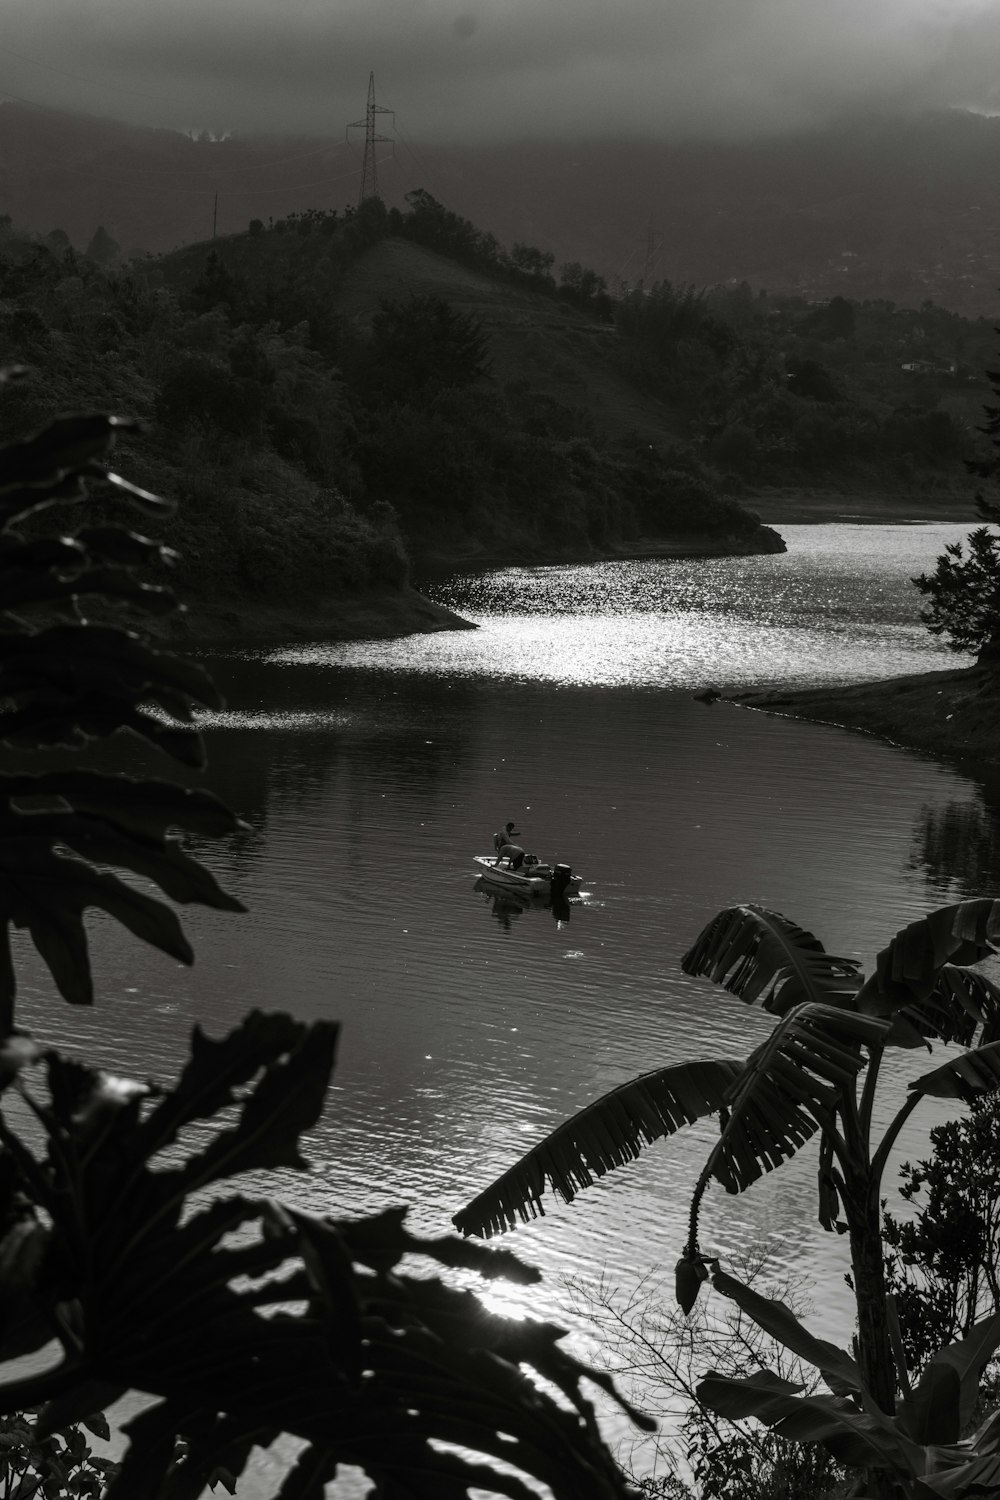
899 208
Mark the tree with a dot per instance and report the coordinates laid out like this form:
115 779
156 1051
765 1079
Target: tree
423 344
531 261
581 281
964 591
102 248
943 1266
964 588
834 320
124 1239
805 1080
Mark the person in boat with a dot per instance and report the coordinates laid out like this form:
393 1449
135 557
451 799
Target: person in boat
505 839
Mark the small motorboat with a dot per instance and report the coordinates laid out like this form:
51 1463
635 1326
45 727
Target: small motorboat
530 880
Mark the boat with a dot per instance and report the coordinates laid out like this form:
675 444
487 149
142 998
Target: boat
544 880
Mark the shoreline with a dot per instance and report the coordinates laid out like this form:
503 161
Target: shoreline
376 614
437 565
828 507
380 614
953 714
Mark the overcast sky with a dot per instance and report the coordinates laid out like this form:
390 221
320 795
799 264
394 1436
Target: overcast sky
492 70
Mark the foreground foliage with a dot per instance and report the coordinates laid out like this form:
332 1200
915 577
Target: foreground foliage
833 1025
657 1352
51 1466
964 592
943 1262
126 1243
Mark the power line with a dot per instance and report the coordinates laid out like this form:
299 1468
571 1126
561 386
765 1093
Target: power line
79 78
402 140
145 174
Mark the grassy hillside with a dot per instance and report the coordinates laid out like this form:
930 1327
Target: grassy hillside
560 352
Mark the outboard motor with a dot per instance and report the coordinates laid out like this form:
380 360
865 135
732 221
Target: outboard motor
560 885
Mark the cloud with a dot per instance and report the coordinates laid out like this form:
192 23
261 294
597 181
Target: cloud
502 69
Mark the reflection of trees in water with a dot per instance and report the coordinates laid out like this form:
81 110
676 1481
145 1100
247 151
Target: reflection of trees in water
958 844
413 728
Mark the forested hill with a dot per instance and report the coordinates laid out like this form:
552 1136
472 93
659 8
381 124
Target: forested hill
331 397
904 207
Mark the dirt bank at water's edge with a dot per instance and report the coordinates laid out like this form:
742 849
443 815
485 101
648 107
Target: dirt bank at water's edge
953 714
376 615
796 507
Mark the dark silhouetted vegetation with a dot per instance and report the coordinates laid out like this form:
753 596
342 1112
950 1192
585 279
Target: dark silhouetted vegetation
772 391
943 1263
964 589
131 1251
907 1427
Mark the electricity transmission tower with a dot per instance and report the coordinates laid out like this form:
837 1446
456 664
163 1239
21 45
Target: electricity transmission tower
651 262
653 252
369 171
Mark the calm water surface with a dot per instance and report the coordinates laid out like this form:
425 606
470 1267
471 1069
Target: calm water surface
370 773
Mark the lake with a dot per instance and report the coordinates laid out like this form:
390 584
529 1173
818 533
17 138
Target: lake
370 773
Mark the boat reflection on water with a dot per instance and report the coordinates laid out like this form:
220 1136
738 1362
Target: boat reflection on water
506 905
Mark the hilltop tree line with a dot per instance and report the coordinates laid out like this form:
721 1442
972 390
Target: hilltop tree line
308 450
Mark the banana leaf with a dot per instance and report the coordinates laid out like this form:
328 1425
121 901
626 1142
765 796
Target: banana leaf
245 1319
605 1135
762 956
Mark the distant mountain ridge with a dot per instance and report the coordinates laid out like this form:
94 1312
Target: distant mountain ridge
902 209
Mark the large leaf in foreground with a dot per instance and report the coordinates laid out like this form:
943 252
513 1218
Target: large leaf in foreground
763 957
968 1076
247 1319
908 968
778 1321
964 1003
790 1087
66 681
605 1135
865 1439
942 1405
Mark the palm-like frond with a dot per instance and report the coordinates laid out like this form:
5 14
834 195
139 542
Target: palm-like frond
908 969
966 1077
962 1003
606 1134
762 956
791 1086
